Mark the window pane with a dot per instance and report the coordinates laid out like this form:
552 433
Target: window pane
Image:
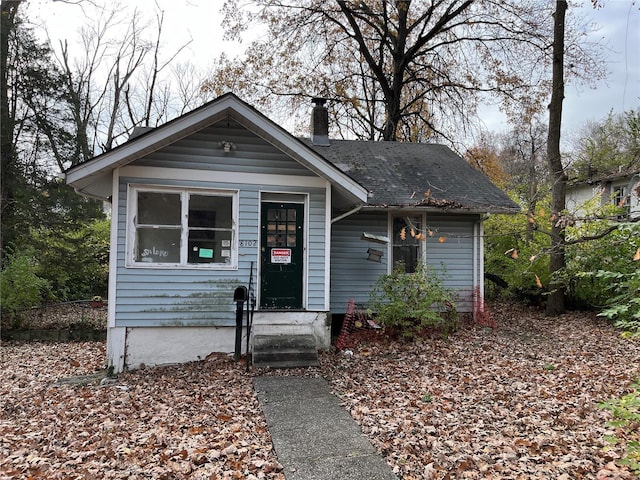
210 211
158 245
158 208
408 255
406 248
207 246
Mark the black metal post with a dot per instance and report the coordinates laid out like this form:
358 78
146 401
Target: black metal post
239 296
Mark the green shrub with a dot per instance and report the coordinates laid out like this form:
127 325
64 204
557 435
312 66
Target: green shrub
516 259
412 302
74 260
20 286
626 419
607 276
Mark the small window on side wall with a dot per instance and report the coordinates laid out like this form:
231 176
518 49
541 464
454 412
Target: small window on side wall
406 247
176 227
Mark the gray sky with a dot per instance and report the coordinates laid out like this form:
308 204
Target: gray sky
619 22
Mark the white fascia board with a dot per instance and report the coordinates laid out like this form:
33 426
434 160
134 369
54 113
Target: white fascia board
157 173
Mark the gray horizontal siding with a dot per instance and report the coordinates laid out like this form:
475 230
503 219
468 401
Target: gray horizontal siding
316 258
352 275
192 297
453 258
201 151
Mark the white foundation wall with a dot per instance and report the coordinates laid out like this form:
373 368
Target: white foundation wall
154 346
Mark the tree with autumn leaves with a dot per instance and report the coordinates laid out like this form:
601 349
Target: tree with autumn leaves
396 70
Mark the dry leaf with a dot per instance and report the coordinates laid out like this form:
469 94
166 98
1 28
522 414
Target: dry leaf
519 402
636 257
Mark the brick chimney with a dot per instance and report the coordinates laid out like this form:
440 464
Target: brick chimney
319 122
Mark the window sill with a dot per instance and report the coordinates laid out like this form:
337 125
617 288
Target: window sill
177 266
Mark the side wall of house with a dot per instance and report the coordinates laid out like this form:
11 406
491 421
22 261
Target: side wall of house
352 275
454 251
579 195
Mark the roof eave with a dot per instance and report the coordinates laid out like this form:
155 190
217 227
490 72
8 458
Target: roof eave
445 209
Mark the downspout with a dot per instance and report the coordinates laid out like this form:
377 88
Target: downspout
630 190
478 261
346 214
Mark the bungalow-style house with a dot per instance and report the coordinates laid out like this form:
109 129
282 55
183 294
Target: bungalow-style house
223 197
620 189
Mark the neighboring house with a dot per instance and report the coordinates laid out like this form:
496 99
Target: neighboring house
200 203
622 190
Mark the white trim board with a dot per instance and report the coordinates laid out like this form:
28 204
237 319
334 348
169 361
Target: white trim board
157 173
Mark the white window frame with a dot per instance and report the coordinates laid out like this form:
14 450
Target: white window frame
132 209
422 250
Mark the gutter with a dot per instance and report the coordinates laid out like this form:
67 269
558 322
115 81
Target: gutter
347 214
432 209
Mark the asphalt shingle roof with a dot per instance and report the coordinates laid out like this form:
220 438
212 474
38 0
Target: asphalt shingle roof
401 174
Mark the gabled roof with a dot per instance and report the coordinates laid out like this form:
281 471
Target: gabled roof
94 177
376 174
404 175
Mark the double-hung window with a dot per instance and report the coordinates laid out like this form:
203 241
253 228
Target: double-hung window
182 227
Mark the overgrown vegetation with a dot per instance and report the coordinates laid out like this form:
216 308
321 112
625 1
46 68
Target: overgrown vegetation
517 264
413 302
626 420
20 286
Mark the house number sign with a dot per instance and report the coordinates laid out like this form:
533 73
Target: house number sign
248 243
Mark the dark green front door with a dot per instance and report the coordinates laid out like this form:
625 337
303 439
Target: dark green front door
282 255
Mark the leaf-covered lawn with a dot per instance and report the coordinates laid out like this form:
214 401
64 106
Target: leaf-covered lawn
519 402
195 421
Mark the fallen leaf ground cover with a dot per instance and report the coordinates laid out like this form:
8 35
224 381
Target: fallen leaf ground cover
196 421
517 402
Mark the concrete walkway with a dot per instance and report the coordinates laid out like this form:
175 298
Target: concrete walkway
313 435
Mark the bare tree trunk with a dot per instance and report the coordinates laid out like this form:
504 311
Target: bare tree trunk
555 301
8 10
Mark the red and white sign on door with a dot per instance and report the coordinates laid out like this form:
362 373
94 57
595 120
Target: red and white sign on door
281 255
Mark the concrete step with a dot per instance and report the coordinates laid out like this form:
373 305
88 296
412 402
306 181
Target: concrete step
284 351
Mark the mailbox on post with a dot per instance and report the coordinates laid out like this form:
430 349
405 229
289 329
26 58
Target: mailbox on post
239 297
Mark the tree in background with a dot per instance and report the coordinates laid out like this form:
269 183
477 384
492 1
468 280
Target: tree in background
397 70
8 168
58 110
515 246
610 146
